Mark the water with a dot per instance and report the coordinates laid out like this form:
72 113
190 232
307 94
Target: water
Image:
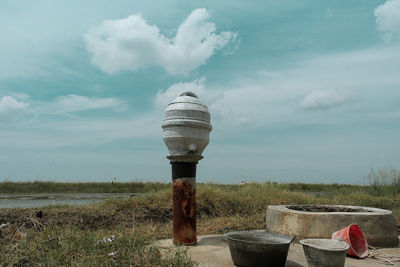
40 200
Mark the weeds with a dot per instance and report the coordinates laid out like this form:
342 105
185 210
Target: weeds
69 246
7 187
40 236
384 181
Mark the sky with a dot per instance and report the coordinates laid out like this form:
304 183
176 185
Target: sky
298 91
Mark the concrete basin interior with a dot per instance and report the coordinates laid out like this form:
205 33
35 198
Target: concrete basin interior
319 208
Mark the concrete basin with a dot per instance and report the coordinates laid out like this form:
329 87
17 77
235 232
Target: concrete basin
320 221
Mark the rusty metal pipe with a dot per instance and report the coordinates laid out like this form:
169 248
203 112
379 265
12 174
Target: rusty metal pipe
184 203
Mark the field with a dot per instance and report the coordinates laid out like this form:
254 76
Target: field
77 236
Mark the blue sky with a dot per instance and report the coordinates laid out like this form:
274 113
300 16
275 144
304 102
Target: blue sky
298 90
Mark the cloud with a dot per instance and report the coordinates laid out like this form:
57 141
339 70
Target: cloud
19 96
163 98
365 83
51 123
217 100
388 18
85 131
9 106
131 44
20 104
324 100
74 103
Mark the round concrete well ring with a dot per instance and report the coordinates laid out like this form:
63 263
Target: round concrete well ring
320 221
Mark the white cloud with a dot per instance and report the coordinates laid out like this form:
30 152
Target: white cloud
20 104
73 103
366 79
388 18
20 96
43 123
217 100
85 131
196 86
131 44
323 100
9 106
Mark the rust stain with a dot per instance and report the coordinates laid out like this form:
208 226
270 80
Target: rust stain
184 211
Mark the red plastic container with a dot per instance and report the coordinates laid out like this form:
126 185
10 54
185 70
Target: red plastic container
353 236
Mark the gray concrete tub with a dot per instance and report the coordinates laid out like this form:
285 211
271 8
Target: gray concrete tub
320 221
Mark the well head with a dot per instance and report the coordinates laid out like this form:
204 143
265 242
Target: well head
186 126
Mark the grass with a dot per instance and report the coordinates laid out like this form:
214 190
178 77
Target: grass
77 232
55 187
384 181
70 246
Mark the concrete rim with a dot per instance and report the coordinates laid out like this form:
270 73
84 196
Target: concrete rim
368 210
307 242
263 240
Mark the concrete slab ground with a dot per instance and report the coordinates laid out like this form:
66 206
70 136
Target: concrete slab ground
213 251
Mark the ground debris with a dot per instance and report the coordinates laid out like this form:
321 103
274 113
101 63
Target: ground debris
39 214
20 235
109 240
112 254
383 257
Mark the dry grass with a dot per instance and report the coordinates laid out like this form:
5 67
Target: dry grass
35 236
7 187
69 246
